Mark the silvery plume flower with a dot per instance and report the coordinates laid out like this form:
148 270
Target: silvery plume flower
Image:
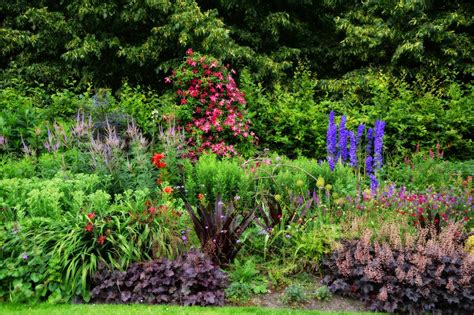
112 139
82 128
134 133
3 141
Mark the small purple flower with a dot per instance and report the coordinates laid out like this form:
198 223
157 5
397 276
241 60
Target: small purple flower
287 235
25 256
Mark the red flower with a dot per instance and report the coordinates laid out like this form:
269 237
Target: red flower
91 215
183 101
200 196
156 160
168 190
89 227
152 210
101 239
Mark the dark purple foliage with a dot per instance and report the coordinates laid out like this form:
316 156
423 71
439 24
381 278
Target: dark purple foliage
192 279
219 228
432 275
271 213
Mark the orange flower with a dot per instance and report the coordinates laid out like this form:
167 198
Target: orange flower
200 196
168 190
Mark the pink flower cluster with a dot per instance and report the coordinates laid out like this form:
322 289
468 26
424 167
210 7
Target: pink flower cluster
216 117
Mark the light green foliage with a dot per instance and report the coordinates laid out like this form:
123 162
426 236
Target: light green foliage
34 197
211 177
246 281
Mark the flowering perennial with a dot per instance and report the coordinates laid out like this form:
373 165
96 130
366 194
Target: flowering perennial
214 116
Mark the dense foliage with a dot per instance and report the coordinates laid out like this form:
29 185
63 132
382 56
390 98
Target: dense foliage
428 274
56 42
192 279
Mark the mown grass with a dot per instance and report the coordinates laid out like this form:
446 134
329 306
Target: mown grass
103 309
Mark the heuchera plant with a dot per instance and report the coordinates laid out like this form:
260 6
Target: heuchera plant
192 279
431 273
213 116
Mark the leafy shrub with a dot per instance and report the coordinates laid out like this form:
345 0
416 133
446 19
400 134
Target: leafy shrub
294 294
27 273
192 279
419 112
426 274
245 281
219 228
322 293
211 177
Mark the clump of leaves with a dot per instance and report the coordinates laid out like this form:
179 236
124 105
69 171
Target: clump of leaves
245 281
192 279
219 229
322 293
294 294
425 274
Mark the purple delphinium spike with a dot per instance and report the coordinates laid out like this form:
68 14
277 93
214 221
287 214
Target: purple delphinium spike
368 164
343 140
360 132
352 149
370 139
378 144
373 183
331 141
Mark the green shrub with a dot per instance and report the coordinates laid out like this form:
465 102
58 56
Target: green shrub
214 177
246 281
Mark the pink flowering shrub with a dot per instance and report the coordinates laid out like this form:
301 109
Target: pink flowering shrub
212 109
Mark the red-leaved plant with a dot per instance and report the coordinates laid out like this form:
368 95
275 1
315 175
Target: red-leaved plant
213 111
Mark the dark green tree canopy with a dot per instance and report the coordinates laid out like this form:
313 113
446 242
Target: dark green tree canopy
104 42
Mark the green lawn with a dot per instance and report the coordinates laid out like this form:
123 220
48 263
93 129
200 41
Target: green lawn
147 309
